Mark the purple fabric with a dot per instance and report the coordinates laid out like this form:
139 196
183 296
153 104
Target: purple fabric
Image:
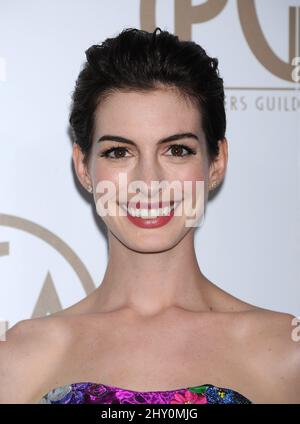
103 394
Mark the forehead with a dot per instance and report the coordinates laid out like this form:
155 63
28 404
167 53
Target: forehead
159 109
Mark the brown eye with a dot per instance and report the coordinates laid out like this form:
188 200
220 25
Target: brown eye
178 149
118 153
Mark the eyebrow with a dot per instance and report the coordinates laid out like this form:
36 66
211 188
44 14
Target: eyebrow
161 141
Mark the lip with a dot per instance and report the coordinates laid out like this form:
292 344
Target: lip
156 222
159 221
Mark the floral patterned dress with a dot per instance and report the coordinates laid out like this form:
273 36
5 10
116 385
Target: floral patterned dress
103 394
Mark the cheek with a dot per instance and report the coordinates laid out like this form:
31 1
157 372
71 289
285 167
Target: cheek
194 188
192 174
101 173
105 180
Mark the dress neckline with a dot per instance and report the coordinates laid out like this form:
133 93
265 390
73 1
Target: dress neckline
98 389
208 385
146 391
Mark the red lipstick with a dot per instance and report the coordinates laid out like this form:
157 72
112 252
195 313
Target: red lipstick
151 222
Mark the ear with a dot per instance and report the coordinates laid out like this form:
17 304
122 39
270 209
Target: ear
218 167
80 167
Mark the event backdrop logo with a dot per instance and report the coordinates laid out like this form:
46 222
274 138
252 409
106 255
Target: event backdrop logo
187 14
48 301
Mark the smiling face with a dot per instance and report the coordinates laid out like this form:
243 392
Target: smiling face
140 146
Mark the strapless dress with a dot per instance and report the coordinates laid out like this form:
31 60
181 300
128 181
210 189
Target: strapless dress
87 392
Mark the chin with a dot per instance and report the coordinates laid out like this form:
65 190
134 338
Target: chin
150 241
150 247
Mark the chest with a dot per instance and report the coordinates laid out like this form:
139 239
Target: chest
167 354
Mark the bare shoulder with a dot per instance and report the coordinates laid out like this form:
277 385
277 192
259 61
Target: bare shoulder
28 358
272 340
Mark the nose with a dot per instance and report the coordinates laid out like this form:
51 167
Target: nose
149 171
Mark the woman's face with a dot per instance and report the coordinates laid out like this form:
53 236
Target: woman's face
145 118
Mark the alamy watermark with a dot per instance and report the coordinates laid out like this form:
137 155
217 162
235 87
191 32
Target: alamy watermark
296 70
187 196
295 335
3 329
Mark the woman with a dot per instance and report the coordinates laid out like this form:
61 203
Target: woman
150 107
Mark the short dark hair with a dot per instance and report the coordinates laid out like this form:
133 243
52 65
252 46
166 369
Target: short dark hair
139 60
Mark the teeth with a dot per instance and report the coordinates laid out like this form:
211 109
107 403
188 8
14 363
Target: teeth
150 213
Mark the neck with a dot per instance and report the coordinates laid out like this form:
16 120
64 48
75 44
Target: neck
151 283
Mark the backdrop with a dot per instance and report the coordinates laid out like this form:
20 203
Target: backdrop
53 250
